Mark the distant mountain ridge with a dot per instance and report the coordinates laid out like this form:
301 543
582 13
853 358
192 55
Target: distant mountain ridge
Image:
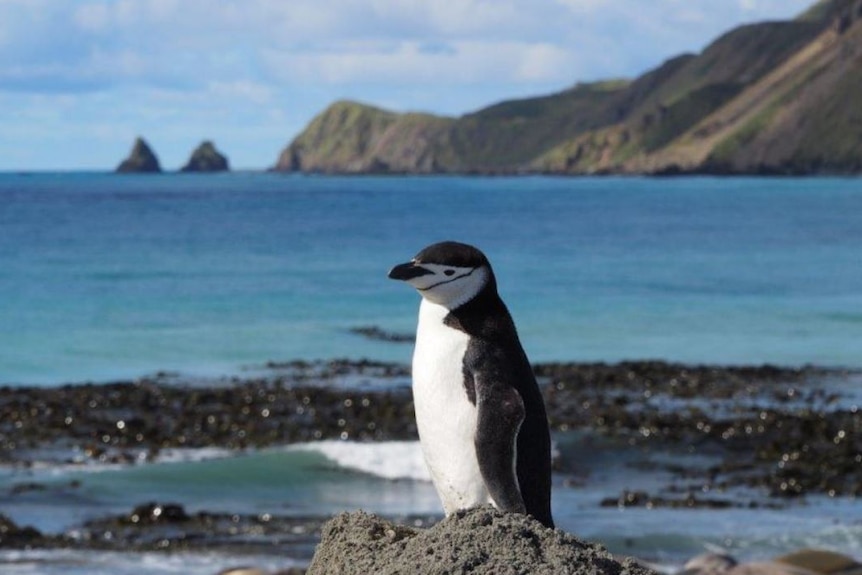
773 97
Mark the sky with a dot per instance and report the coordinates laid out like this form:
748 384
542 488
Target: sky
80 79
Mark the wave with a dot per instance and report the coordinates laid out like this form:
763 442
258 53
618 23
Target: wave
391 460
72 562
386 459
193 454
57 463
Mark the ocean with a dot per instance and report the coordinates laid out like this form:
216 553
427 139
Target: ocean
108 277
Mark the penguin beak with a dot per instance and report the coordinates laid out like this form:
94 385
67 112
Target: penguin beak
408 271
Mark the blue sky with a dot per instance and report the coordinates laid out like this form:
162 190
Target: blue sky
79 79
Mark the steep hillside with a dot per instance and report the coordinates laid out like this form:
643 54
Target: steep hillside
351 137
800 118
812 120
703 84
774 97
507 136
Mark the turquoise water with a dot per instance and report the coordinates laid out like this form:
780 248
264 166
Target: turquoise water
319 482
106 276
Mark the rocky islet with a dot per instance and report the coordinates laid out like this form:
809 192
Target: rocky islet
204 158
141 159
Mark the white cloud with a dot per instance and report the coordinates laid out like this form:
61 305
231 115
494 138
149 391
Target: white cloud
252 92
191 43
255 71
461 19
91 17
584 6
457 62
545 62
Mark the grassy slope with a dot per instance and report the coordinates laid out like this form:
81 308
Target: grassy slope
744 102
813 122
695 89
799 118
510 134
719 136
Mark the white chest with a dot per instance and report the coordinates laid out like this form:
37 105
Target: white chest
445 418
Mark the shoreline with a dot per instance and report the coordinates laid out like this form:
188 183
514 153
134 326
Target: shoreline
771 431
644 404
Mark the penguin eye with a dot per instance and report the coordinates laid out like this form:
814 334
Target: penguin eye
449 272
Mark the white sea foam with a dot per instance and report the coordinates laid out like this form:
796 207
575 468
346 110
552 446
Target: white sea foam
193 455
52 466
386 459
71 562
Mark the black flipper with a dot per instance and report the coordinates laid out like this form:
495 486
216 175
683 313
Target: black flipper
501 412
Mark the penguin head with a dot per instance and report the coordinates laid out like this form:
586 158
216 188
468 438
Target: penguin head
447 273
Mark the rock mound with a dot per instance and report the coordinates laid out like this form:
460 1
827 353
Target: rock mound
140 159
478 541
11 535
206 158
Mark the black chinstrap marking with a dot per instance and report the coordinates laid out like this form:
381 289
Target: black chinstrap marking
448 281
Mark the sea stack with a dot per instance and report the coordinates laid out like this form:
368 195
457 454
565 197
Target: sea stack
140 159
206 158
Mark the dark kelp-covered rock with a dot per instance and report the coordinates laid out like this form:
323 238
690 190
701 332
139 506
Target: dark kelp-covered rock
785 430
477 541
169 527
376 333
140 159
12 535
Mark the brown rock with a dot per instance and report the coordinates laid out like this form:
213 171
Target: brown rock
482 540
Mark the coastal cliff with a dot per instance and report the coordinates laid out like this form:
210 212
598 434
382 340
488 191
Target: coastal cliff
767 98
354 138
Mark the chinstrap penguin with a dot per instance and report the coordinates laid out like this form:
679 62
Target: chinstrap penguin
480 414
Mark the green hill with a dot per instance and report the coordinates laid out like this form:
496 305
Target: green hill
772 97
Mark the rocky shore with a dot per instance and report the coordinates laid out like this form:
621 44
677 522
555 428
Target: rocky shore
782 432
772 427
